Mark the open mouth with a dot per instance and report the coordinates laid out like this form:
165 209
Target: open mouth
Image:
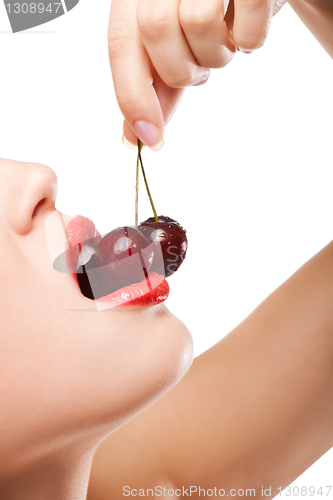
82 239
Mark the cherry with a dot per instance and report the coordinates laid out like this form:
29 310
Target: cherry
170 237
125 255
122 258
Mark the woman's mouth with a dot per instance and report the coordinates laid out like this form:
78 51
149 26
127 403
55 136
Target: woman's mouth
81 241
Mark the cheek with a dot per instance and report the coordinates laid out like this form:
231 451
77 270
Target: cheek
13 286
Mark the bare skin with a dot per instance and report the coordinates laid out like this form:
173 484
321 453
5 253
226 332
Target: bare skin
254 410
317 15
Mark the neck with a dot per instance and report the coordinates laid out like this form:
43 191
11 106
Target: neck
61 474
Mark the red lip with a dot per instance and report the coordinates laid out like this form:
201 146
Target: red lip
78 231
153 290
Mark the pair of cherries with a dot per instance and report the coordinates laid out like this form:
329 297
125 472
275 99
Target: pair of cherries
126 255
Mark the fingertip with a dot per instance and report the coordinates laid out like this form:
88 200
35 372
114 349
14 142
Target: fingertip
129 136
158 147
128 144
149 134
202 82
251 24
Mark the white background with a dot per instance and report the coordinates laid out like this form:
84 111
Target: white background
246 169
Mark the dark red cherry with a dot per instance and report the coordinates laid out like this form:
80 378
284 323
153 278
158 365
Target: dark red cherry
122 257
169 236
91 287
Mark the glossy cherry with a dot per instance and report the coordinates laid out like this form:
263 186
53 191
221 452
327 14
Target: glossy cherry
122 258
170 237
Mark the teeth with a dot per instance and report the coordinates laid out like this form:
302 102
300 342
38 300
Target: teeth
85 255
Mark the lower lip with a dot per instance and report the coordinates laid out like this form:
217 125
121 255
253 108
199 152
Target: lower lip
153 290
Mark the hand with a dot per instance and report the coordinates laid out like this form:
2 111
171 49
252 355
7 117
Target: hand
159 47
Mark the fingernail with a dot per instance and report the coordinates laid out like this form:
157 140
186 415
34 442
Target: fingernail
149 134
128 144
204 77
158 147
244 51
204 80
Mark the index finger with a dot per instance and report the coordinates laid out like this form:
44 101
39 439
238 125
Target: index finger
132 75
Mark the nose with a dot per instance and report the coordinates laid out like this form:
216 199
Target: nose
26 190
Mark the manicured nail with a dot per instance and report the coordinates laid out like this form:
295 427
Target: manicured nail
148 133
204 80
128 144
204 77
244 51
158 147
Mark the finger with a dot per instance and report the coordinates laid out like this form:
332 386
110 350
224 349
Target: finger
129 139
169 99
166 44
206 32
251 23
132 75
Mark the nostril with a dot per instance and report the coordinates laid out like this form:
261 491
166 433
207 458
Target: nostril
38 207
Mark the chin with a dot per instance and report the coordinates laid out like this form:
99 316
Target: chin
158 354
117 363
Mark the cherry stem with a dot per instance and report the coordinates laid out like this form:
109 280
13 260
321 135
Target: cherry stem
137 187
140 146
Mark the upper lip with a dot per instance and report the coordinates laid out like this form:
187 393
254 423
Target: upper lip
75 232
78 231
